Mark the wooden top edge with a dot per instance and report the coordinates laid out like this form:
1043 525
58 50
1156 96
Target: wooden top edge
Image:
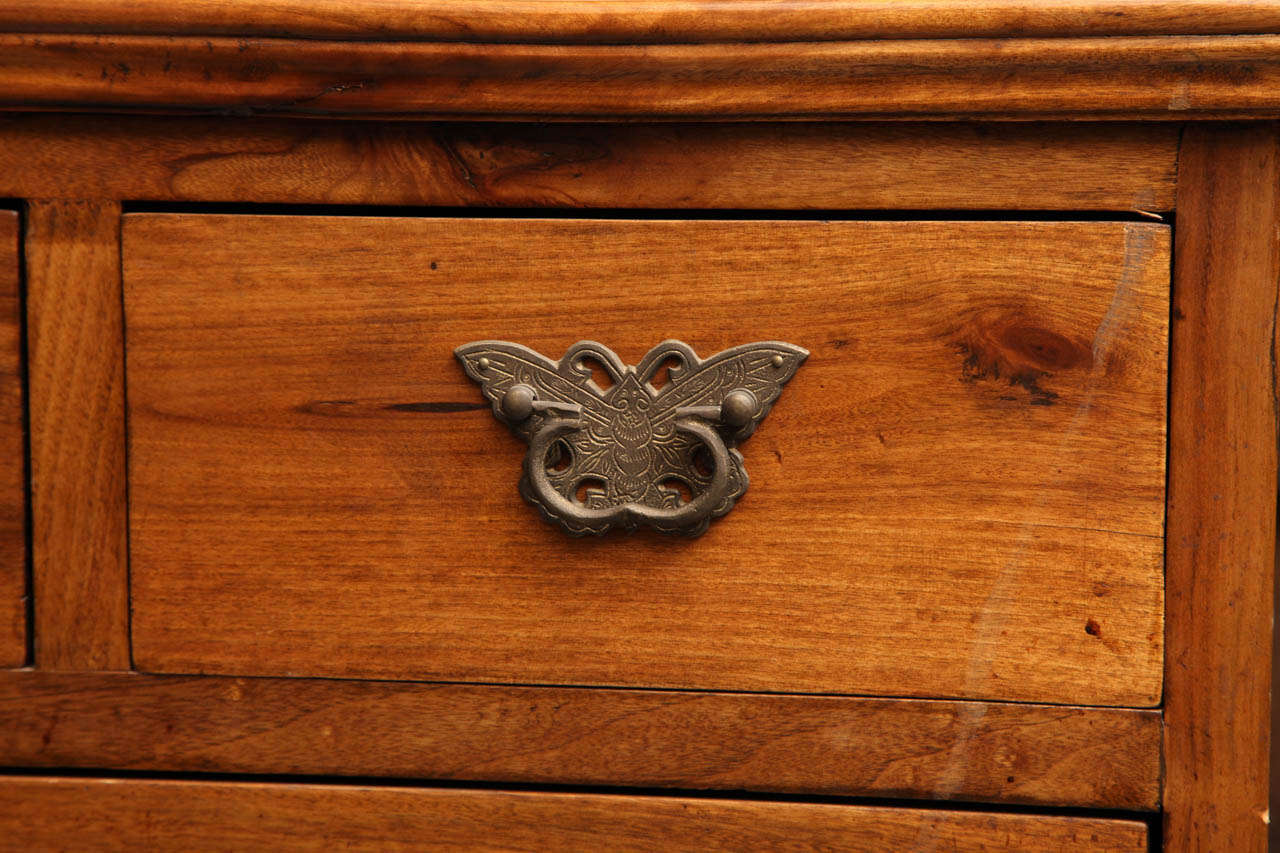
641 21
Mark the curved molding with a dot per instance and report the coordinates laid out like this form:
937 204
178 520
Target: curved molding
1135 77
642 21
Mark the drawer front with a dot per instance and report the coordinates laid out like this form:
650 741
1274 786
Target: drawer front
13 612
92 814
961 493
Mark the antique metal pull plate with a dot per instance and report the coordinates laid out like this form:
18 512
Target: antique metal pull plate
632 454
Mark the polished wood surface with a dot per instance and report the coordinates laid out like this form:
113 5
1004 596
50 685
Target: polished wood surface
644 21
78 505
315 493
1222 490
13 547
1167 77
780 166
106 814
960 495
926 749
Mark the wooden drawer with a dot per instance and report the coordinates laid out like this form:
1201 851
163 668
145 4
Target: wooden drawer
960 494
90 814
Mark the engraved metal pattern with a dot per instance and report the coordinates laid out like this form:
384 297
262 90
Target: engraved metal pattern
632 454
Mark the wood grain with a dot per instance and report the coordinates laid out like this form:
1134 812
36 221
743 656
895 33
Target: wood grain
795 165
644 21
13 512
1273 797
78 504
929 749
1169 77
1222 490
108 814
961 494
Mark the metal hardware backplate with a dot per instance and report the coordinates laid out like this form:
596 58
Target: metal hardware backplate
632 454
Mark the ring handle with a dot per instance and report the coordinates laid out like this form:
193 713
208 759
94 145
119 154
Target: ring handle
577 516
660 456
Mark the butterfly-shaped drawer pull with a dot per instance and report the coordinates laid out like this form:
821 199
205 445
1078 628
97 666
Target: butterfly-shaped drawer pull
632 454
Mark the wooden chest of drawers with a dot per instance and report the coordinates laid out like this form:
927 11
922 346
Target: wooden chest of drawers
1001 579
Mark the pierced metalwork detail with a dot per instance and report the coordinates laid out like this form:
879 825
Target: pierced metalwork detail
632 454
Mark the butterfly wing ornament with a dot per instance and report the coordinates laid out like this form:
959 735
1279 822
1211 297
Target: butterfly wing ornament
632 454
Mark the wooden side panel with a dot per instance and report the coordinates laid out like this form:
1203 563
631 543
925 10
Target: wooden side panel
1273 799
795 165
13 521
960 495
78 505
1222 490
927 749
1170 77
171 815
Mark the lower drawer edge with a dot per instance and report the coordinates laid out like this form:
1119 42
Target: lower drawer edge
847 746
110 814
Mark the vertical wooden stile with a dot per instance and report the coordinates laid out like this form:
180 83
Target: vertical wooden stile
76 368
13 611
1222 490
